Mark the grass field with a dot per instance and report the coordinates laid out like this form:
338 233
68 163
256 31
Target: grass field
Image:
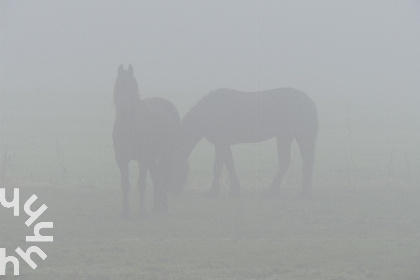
363 221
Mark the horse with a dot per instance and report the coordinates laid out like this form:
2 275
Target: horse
226 117
145 130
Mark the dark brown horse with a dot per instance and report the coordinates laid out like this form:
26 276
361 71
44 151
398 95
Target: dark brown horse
145 130
226 117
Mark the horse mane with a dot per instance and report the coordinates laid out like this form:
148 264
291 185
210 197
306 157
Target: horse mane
135 93
201 103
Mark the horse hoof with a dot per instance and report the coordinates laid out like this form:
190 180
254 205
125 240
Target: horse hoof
173 192
269 193
124 216
234 194
212 194
305 195
162 214
142 215
161 211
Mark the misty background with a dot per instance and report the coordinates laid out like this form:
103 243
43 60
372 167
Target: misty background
358 60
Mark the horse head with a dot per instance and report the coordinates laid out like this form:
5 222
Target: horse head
126 90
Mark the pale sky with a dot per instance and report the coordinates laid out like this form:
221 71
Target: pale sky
327 48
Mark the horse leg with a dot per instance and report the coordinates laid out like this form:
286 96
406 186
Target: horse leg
164 169
283 151
307 149
160 198
219 157
141 183
233 178
125 186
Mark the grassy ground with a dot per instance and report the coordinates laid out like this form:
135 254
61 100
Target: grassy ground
362 223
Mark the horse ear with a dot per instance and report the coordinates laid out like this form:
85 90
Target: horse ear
130 69
120 69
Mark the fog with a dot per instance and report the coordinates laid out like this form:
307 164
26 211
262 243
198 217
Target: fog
359 61
357 52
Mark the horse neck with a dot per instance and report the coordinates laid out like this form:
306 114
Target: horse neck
131 112
191 134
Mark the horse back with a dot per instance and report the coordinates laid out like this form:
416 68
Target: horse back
256 116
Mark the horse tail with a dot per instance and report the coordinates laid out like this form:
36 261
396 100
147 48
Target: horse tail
306 116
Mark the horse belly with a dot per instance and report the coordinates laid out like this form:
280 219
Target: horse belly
252 134
251 131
